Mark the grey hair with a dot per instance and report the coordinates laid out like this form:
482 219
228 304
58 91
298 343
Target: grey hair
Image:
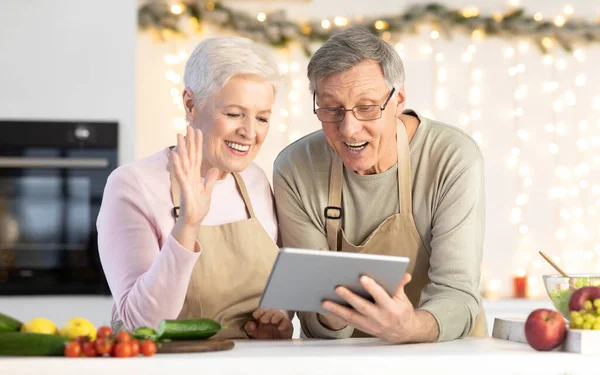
350 47
215 60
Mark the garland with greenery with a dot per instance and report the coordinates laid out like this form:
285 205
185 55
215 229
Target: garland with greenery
277 30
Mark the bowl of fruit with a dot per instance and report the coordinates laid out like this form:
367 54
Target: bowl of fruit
560 289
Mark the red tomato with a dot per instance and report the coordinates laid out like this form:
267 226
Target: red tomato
89 349
135 348
123 337
148 348
81 339
104 331
123 349
103 346
73 349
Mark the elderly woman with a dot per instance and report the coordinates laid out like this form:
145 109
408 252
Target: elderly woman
191 230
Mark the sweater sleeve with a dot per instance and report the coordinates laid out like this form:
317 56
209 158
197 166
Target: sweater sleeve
148 282
452 296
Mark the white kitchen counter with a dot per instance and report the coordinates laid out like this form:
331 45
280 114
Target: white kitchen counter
97 309
351 356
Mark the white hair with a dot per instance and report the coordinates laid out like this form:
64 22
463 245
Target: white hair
350 47
215 60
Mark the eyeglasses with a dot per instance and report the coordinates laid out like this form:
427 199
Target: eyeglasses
361 112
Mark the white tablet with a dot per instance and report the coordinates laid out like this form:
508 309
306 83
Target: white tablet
301 279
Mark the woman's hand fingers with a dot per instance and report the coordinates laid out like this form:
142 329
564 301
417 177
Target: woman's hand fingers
178 168
258 313
278 318
198 154
183 154
210 180
191 145
266 318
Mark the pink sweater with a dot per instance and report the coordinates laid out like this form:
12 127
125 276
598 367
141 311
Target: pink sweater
146 268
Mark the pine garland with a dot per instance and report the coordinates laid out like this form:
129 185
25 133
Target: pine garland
278 31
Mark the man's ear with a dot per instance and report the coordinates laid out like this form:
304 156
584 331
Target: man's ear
189 103
400 95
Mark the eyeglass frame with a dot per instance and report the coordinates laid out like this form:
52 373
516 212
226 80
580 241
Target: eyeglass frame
353 108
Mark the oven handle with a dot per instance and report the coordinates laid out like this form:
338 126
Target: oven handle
33 162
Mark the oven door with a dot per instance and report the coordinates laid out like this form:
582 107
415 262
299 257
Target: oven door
49 202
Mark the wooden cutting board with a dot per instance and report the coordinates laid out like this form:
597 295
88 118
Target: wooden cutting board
576 341
195 346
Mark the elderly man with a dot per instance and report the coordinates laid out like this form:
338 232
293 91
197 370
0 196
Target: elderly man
382 179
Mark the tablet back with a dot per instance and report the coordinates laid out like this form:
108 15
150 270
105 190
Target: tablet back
301 279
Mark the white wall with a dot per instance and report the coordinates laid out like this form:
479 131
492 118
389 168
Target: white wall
506 250
70 60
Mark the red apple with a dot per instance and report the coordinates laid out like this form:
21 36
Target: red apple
578 298
545 329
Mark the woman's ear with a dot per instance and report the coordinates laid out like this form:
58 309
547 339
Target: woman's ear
189 103
400 95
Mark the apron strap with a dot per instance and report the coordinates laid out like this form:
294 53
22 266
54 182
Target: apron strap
242 188
404 177
333 211
176 191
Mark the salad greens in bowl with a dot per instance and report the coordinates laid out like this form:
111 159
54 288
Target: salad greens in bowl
560 289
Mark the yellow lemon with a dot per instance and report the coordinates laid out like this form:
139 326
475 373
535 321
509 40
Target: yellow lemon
40 325
78 327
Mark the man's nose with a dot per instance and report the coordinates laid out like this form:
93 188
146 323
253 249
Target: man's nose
350 125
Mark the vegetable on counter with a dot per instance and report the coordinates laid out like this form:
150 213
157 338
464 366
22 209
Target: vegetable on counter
31 344
560 299
77 338
9 324
144 333
190 329
121 345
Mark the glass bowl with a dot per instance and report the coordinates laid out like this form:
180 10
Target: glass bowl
558 289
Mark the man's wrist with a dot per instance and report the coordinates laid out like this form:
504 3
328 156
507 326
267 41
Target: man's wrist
424 327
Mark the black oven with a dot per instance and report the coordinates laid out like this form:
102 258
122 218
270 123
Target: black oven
52 177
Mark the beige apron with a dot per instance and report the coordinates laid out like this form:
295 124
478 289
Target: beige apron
232 271
229 277
397 235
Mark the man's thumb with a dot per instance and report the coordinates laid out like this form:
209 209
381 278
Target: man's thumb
405 280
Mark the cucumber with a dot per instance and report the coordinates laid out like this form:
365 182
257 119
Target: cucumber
8 324
190 329
31 344
144 333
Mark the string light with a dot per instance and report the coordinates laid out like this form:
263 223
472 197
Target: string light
579 55
568 10
381 25
177 9
340 21
574 183
470 12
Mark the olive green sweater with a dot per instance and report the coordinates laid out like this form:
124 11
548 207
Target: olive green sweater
447 170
